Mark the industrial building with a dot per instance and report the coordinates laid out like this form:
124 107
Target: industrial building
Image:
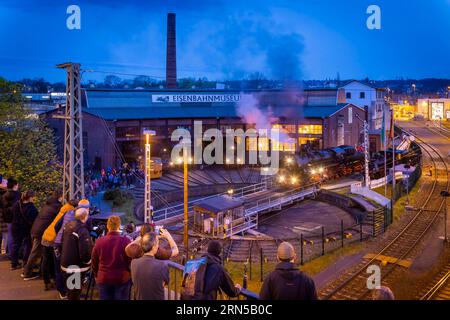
114 120
434 109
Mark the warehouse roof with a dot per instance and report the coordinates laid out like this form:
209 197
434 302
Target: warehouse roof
178 112
172 104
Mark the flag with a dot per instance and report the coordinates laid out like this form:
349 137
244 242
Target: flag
391 129
383 131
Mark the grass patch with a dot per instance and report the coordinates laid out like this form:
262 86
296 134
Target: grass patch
399 205
318 265
122 201
236 269
128 208
380 190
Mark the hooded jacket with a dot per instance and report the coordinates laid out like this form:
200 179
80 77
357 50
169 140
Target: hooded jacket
49 235
48 212
287 282
216 277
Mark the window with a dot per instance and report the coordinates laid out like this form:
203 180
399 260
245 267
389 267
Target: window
348 95
362 95
310 129
306 144
288 128
288 145
380 94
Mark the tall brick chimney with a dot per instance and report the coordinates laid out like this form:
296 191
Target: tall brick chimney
171 54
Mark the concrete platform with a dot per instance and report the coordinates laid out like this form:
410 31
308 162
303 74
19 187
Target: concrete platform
13 287
306 216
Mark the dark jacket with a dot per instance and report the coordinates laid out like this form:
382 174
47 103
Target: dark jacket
76 247
110 264
287 282
46 215
24 215
8 200
216 277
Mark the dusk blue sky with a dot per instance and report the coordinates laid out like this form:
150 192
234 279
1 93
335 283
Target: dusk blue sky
220 39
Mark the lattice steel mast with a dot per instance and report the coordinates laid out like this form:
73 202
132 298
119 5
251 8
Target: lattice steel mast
73 179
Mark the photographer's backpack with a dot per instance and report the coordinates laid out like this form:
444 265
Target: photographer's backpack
193 279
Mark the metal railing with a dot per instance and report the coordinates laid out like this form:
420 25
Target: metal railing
178 209
176 277
281 199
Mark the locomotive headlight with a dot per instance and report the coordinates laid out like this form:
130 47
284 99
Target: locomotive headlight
320 170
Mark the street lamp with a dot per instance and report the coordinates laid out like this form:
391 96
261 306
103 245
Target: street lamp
186 145
148 209
445 194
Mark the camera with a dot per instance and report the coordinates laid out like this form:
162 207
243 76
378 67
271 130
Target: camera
158 229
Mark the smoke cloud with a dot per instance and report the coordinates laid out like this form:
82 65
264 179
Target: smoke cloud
240 45
250 110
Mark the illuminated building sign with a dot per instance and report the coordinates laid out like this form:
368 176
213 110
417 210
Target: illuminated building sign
437 110
195 98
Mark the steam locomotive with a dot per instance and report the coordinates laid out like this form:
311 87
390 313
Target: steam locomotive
341 161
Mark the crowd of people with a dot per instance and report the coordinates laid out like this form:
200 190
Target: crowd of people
57 244
110 178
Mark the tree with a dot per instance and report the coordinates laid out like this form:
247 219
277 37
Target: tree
112 81
27 148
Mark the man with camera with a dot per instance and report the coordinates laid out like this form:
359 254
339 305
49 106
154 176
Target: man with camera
149 274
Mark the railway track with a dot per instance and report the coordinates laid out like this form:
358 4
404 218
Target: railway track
396 250
440 290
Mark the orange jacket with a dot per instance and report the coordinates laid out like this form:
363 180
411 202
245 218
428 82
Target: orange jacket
50 233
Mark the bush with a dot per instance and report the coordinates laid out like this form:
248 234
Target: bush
117 196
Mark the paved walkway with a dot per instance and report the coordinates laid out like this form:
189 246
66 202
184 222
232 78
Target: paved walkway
331 272
12 287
